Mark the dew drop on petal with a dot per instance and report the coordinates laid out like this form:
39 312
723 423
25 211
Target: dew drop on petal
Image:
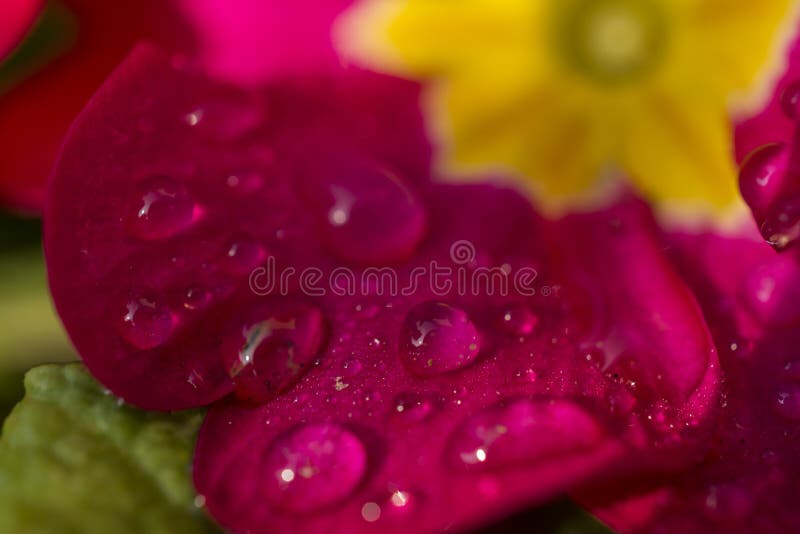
780 226
145 322
411 408
790 100
519 320
242 255
727 502
245 181
522 431
437 338
267 349
762 176
772 292
371 512
312 467
161 208
197 298
227 120
786 402
366 213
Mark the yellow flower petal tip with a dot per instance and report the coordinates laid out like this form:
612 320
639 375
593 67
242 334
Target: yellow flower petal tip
556 93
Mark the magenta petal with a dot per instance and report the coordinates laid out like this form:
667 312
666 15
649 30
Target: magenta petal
748 481
254 41
460 442
171 189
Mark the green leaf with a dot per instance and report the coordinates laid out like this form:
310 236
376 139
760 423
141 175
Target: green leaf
75 459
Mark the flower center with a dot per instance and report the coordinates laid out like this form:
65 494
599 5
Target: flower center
611 41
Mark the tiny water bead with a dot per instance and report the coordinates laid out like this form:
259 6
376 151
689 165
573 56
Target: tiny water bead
313 467
245 181
522 431
790 100
437 338
786 402
411 408
519 320
271 346
162 207
366 213
145 322
242 255
727 502
227 119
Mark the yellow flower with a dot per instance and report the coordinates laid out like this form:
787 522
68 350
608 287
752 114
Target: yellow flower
569 94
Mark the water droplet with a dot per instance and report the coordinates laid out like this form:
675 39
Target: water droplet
400 499
519 320
412 408
271 346
772 292
790 100
197 298
313 467
162 207
146 322
366 213
246 181
792 370
227 120
726 502
786 402
352 367
371 512
242 255
436 338
780 225
522 431
762 176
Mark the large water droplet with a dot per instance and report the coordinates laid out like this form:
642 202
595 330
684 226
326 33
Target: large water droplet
271 346
772 292
786 402
313 467
436 338
366 213
242 255
762 175
522 431
162 207
780 226
145 322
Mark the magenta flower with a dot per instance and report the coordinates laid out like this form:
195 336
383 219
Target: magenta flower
201 242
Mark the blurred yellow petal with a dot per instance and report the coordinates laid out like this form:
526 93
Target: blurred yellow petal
557 92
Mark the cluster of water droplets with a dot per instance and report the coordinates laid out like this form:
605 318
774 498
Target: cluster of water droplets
770 182
366 214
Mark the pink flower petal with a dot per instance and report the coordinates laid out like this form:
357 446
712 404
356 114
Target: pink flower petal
16 16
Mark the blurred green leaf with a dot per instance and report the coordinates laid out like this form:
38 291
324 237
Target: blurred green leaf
53 34
32 333
560 517
74 459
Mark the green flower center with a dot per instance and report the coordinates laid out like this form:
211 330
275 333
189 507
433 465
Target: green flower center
611 41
